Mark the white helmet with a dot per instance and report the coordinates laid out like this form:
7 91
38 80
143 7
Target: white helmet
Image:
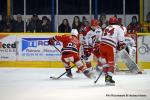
74 32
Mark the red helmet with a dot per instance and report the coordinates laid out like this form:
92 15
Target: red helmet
94 22
113 20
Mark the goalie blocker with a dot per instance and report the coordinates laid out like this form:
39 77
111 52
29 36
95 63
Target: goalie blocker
131 65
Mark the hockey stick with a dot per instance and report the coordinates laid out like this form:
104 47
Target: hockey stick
56 48
56 78
98 77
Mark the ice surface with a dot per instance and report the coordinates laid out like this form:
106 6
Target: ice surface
35 84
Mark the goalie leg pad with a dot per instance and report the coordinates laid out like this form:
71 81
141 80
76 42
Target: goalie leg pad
131 65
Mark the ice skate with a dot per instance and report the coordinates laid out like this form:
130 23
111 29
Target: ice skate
69 73
89 74
78 71
109 81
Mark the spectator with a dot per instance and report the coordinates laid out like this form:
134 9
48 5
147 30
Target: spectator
85 25
46 24
64 27
35 25
8 26
2 22
76 23
115 15
103 23
134 26
12 21
19 24
146 24
85 21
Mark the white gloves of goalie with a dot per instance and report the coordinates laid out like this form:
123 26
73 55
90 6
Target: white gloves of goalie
132 51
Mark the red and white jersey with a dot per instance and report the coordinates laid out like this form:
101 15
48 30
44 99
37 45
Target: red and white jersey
112 35
93 37
70 43
129 41
84 30
83 33
124 29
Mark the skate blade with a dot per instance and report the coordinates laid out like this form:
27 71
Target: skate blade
110 84
78 72
92 76
53 78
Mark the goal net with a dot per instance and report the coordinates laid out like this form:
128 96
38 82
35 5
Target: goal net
142 54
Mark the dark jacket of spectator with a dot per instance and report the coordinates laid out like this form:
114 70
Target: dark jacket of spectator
19 24
103 23
46 24
134 26
146 24
12 21
76 23
2 23
8 25
64 27
35 24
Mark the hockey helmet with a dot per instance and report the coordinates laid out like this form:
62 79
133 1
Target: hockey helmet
74 32
94 22
113 20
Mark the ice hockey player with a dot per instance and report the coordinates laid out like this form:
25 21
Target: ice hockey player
131 50
117 51
121 25
93 40
85 28
112 37
70 52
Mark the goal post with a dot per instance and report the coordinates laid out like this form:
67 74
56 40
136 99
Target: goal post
143 48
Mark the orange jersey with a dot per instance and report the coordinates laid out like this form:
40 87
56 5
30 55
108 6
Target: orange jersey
70 43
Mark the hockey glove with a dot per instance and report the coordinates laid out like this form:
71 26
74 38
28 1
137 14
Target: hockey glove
51 41
121 46
87 51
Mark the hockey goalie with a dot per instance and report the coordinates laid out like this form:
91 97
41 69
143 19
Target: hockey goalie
128 55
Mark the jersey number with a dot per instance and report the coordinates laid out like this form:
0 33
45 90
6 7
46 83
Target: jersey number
108 32
71 45
93 39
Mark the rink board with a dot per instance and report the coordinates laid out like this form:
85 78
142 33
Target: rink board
14 55
56 64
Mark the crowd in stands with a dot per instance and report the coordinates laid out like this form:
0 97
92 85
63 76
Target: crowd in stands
10 24
34 24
